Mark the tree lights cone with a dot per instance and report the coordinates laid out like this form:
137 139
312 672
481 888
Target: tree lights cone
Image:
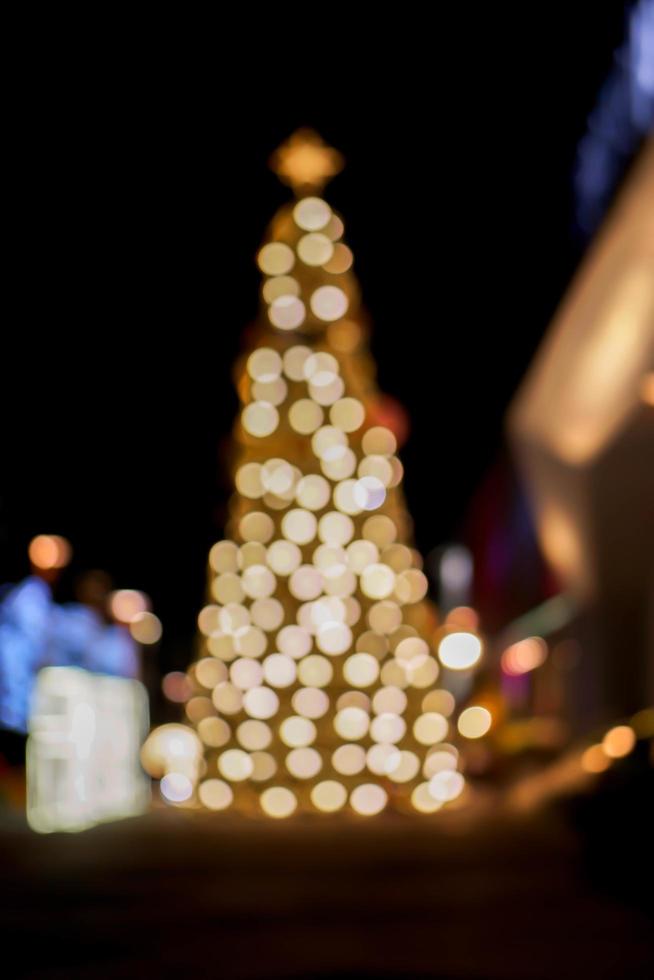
316 686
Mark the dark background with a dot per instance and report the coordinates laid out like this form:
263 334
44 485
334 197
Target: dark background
138 198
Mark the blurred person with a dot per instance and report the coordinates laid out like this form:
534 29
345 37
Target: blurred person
25 628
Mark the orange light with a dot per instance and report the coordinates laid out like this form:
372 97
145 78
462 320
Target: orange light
49 551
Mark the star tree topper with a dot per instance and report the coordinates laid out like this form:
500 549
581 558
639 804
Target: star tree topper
305 162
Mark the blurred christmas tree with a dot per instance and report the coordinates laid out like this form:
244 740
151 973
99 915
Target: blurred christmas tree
315 682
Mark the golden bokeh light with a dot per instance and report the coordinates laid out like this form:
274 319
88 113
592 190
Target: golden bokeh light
315 248
286 312
278 802
312 214
329 796
619 741
595 759
474 722
368 799
275 259
328 303
48 551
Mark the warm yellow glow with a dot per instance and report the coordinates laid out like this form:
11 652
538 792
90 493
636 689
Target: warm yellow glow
256 526
210 672
215 794
227 698
278 802
340 261
619 741
379 529
328 303
412 653
335 529
315 671
260 419
353 699
383 759
227 588
279 670
146 628
294 360
294 641
407 768
214 732
306 583
474 722
169 748
561 542
299 526
126 604
389 700
267 614
446 785
250 641
647 388
221 645
411 586
275 259
258 582
393 674
305 416
235 765
525 655
328 796
437 761
264 364
313 492
333 638
315 249
273 391
361 670
304 763
50 551
425 675
297 731
286 312
283 557
264 766
377 581
430 728
459 651
208 619
312 214
198 708
352 723
304 160
280 286
232 618
384 617
595 759
347 414
388 727
440 701
348 760
248 483
310 702
368 799
261 702
379 441
246 673
423 801
254 735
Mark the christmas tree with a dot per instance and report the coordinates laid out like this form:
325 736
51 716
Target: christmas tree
316 685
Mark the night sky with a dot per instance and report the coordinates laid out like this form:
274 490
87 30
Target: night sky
138 202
